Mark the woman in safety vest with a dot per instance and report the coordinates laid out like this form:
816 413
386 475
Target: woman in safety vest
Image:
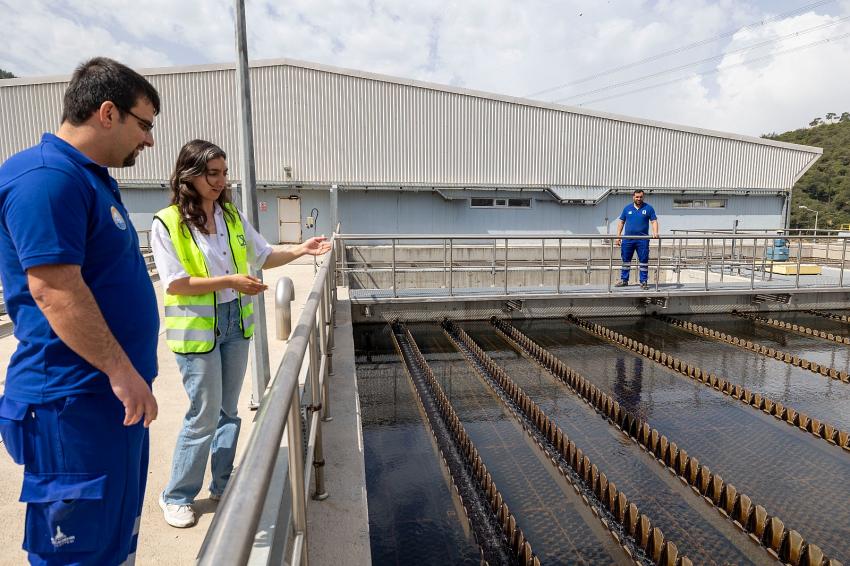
202 248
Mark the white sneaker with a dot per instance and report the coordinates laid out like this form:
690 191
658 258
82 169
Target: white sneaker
180 516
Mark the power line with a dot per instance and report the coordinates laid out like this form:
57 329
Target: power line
683 48
715 71
706 60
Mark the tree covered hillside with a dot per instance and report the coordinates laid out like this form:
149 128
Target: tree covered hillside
6 75
826 186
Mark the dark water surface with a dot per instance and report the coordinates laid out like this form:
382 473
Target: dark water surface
557 523
414 516
836 327
816 395
799 478
824 352
699 531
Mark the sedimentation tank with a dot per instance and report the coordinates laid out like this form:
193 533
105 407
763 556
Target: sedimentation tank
580 426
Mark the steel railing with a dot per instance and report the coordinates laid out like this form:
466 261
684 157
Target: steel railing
232 533
711 262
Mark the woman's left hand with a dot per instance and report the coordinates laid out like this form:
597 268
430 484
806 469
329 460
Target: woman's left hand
316 246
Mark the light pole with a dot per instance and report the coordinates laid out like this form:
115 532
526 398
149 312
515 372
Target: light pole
804 207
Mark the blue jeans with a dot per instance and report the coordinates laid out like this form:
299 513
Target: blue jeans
213 382
627 251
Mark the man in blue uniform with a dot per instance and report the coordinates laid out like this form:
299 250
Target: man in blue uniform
78 399
636 219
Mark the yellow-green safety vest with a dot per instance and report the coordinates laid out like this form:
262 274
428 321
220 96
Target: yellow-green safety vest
190 320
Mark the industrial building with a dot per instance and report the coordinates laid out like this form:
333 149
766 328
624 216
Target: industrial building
414 157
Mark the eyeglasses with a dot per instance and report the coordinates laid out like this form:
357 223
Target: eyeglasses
145 124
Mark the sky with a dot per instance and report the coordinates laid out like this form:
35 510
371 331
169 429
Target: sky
743 66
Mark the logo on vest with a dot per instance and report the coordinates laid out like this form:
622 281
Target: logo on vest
631 211
643 212
117 218
61 539
241 240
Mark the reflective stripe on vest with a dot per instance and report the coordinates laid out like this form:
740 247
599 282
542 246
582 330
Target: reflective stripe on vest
190 320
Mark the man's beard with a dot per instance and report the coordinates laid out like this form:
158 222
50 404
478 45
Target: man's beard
130 160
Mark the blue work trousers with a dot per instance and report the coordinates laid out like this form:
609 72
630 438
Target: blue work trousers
627 251
84 478
213 382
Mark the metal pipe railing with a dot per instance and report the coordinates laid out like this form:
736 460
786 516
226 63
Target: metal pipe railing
694 253
231 535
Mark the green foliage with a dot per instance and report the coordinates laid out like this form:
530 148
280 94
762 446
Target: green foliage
6 75
826 185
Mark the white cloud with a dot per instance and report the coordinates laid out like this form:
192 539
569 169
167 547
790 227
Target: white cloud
494 45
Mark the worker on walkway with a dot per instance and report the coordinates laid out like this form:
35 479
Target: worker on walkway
636 219
202 248
78 400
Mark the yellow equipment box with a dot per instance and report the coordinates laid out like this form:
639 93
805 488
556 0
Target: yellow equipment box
790 268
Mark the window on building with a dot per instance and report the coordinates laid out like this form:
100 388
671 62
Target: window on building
699 203
478 202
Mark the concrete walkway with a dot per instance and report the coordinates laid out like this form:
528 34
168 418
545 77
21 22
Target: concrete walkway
344 511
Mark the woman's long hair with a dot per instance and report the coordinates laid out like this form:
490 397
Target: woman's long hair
192 162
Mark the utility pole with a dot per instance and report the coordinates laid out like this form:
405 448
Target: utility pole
260 373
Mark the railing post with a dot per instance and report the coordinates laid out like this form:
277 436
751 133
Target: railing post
445 276
658 267
324 349
494 263
764 259
722 259
679 263
843 256
295 448
451 266
506 266
610 263
828 242
753 266
705 258
543 262
560 247
319 493
395 291
589 258
799 261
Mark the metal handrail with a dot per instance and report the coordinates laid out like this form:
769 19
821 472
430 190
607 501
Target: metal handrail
233 530
714 234
704 252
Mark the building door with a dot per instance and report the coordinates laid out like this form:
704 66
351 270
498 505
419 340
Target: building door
289 220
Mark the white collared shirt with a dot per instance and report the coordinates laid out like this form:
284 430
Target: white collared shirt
215 248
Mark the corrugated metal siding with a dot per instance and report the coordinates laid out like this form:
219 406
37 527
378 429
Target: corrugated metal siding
386 212
335 128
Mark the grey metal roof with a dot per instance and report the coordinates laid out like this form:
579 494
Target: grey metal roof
331 125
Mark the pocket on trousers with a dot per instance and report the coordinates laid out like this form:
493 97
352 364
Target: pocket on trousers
64 512
12 415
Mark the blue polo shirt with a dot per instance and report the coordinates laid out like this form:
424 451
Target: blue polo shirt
59 207
637 219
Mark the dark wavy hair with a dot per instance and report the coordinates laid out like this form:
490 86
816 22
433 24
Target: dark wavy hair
192 162
101 79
